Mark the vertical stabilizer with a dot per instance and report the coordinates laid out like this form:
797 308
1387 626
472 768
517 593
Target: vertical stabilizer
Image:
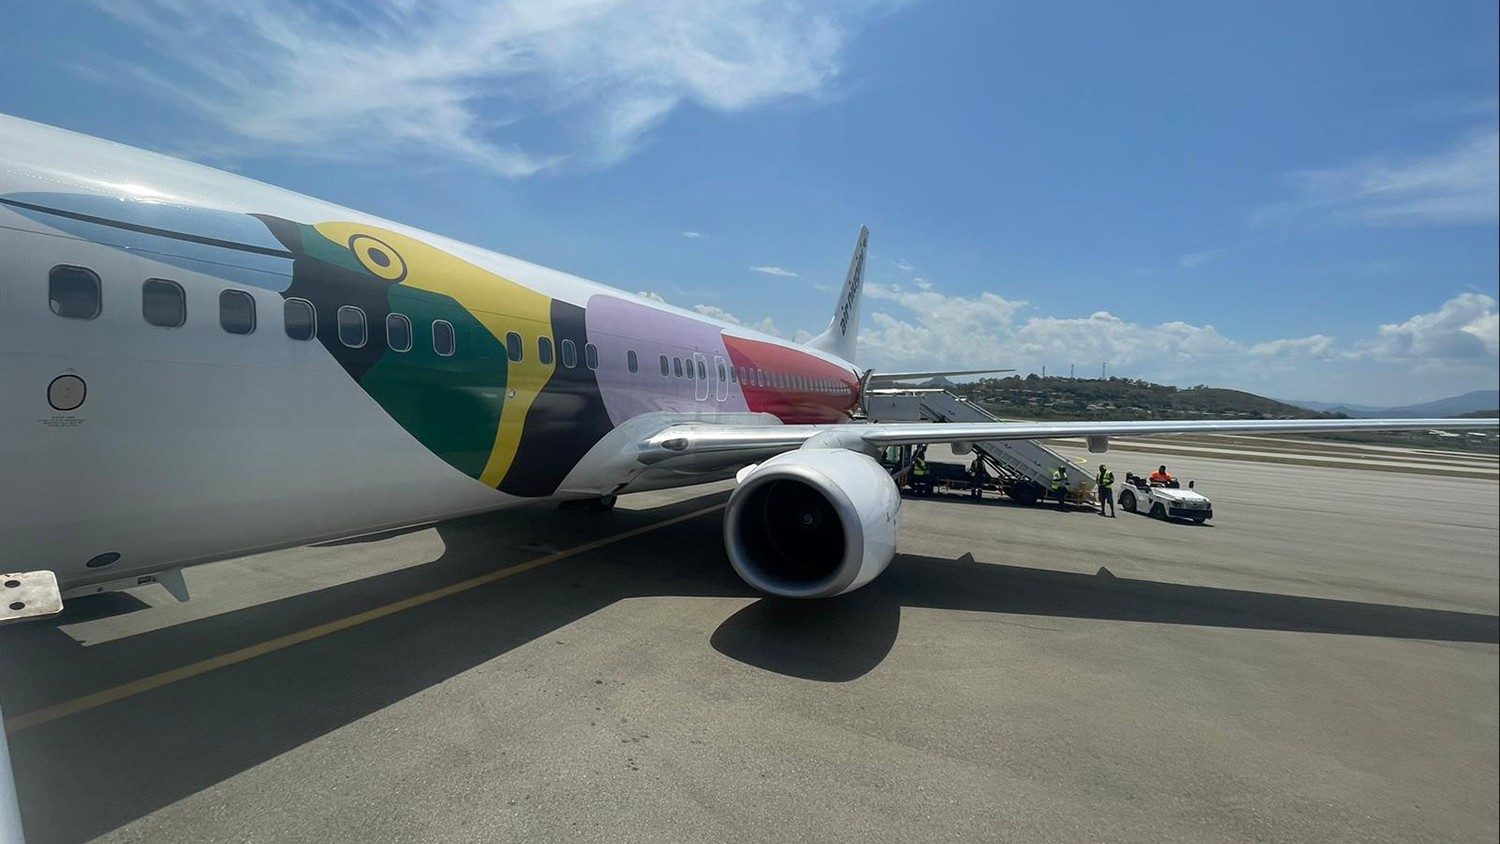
843 331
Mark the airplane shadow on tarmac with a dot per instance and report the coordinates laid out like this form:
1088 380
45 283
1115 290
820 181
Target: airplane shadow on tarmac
843 638
82 775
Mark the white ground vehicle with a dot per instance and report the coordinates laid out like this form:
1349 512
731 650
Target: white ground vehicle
1164 502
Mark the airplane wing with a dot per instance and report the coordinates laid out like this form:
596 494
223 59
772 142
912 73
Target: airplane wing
708 438
892 377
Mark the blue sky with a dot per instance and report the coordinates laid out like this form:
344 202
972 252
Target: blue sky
1298 199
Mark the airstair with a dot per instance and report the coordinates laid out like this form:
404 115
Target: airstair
1023 467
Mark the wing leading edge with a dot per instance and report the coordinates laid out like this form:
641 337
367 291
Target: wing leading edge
770 438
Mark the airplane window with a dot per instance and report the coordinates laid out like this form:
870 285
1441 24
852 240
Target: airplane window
237 312
442 337
677 366
569 354
702 375
351 326
665 370
513 346
733 376
631 362
689 368
398 332
73 292
299 319
723 376
163 303
590 355
760 377
544 350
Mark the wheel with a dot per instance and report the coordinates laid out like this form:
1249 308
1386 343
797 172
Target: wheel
1158 511
1127 500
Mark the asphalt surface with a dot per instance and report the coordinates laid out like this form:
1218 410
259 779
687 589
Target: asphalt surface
1318 663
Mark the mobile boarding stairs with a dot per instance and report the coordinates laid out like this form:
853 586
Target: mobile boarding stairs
1022 468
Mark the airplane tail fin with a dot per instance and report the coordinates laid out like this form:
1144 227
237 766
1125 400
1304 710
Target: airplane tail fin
843 331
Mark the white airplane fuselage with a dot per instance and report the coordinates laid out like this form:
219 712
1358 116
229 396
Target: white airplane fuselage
201 441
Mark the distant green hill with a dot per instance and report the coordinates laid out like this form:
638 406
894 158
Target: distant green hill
1034 397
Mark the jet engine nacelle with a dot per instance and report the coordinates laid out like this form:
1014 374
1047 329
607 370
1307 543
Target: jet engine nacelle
813 523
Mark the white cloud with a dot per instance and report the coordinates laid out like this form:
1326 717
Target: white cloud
776 271
765 325
1459 185
1465 327
1193 260
515 86
691 235
902 265
1451 349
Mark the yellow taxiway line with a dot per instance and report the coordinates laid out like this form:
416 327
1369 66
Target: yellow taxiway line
37 717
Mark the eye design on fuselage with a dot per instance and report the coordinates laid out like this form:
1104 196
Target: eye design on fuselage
378 257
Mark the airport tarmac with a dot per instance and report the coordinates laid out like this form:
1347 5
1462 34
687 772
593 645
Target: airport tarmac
1318 663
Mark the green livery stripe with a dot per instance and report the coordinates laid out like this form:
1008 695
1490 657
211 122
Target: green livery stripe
450 404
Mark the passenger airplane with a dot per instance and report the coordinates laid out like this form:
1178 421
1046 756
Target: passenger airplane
198 366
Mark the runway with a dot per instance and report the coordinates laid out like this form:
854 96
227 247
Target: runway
1320 662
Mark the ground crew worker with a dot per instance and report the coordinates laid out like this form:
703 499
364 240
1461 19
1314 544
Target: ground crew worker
919 480
1105 480
1161 476
1060 485
978 476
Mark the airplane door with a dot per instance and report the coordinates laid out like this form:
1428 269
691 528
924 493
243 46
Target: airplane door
721 380
700 364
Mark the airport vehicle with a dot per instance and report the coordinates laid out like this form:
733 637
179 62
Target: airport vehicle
1164 501
198 366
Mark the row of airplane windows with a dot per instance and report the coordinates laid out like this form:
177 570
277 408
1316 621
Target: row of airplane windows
75 293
